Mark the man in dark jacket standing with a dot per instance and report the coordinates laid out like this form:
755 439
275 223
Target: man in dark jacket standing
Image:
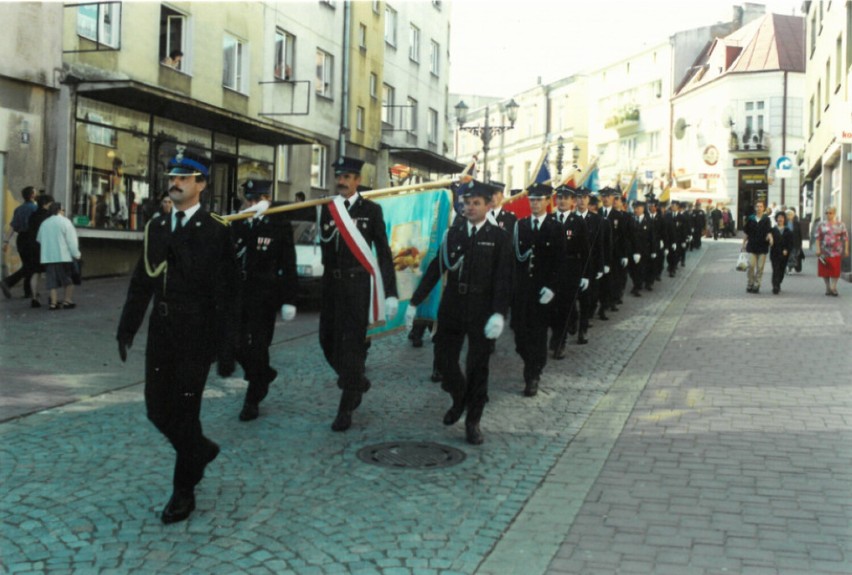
538 250
619 224
758 230
643 241
350 228
596 263
477 258
188 268
267 257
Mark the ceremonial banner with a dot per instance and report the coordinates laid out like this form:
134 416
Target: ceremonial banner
520 205
415 226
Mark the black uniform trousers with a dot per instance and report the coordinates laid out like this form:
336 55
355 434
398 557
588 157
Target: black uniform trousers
257 326
176 371
779 269
470 386
643 273
343 326
565 310
588 301
530 327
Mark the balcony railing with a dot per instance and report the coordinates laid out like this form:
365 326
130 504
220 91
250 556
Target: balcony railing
747 141
624 121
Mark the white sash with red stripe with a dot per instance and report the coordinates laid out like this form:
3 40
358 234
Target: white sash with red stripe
363 253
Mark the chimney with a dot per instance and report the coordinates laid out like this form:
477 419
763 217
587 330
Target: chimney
753 11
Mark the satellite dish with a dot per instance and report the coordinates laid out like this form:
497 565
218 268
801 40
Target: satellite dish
680 128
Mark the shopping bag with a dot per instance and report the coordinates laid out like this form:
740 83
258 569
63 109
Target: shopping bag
742 262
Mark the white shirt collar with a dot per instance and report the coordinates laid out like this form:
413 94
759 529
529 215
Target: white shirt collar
189 212
540 219
478 226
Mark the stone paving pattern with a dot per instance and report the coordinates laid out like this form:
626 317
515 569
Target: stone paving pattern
714 439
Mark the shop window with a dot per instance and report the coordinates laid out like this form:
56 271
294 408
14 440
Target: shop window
173 45
285 46
234 52
319 165
325 74
100 22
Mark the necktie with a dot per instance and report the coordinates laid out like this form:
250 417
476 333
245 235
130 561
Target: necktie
346 204
535 225
179 216
561 218
472 232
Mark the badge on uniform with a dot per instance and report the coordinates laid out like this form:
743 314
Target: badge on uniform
569 234
263 243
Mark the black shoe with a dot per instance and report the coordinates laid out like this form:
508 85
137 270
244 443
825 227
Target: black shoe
657 278
343 421
775 290
531 387
636 292
572 325
454 413
6 291
250 411
559 353
613 308
581 338
436 376
620 302
603 317
474 435
671 274
649 288
179 507
35 303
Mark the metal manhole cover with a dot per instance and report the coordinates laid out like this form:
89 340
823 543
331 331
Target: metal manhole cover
411 455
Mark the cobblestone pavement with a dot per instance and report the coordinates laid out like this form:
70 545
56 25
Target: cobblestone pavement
711 440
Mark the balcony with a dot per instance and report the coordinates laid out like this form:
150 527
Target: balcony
625 121
749 141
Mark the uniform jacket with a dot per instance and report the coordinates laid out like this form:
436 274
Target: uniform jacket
478 285
643 238
596 243
507 220
619 222
266 254
197 287
369 219
677 229
659 231
538 256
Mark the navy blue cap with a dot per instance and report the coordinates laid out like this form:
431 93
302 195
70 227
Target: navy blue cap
638 203
583 191
593 199
474 188
566 191
607 191
540 190
253 189
346 165
189 163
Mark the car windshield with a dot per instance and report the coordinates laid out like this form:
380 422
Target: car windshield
305 233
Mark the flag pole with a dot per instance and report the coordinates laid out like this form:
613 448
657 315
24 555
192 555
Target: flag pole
533 174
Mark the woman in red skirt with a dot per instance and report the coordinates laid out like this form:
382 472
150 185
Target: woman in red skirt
832 242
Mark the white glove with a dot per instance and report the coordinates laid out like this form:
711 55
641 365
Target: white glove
288 312
546 295
653 255
410 312
584 284
257 209
391 307
636 258
598 275
674 247
494 326
666 252
662 245
683 245
606 269
623 262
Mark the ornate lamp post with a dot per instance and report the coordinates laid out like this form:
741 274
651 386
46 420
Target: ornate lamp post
560 153
486 131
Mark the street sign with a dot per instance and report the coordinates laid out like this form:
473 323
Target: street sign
783 167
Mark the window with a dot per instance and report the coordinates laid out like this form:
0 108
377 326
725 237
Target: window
359 118
285 46
437 4
432 131
319 165
387 104
811 118
411 113
374 83
325 70
819 102
234 63
284 162
362 37
654 143
414 43
376 6
755 114
100 23
435 58
827 82
173 39
390 26
838 62
813 34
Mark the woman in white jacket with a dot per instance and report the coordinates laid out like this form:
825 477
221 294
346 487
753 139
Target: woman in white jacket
59 248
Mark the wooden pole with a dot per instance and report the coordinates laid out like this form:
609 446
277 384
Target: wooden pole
381 193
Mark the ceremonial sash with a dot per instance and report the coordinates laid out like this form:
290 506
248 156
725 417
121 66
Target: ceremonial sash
363 253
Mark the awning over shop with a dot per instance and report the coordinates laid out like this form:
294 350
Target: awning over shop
152 100
426 160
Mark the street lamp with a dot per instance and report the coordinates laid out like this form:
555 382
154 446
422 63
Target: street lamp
560 153
486 131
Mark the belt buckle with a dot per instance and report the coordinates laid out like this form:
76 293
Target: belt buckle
336 274
463 289
163 309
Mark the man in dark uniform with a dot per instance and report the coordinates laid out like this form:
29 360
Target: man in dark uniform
659 247
502 218
619 224
626 218
189 269
596 262
477 258
267 257
537 242
606 281
573 272
677 235
644 241
699 224
716 221
350 228
689 221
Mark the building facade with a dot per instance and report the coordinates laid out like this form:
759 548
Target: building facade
826 159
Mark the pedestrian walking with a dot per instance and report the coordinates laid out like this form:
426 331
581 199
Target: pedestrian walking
832 243
537 242
38 217
644 243
619 225
189 269
477 258
266 254
656 218
24 242
351 227
797 254
782 244
596 260
716 222
59 250
604 300
699 218
758 231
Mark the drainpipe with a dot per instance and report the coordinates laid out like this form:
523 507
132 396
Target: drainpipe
784 146
344 112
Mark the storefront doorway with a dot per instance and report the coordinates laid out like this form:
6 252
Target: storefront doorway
753 186
223 198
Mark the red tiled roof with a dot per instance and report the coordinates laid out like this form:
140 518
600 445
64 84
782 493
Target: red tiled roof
778 44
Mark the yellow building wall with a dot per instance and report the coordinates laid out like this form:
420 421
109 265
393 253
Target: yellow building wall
363 62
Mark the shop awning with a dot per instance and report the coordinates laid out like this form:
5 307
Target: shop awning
425 160
152 100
